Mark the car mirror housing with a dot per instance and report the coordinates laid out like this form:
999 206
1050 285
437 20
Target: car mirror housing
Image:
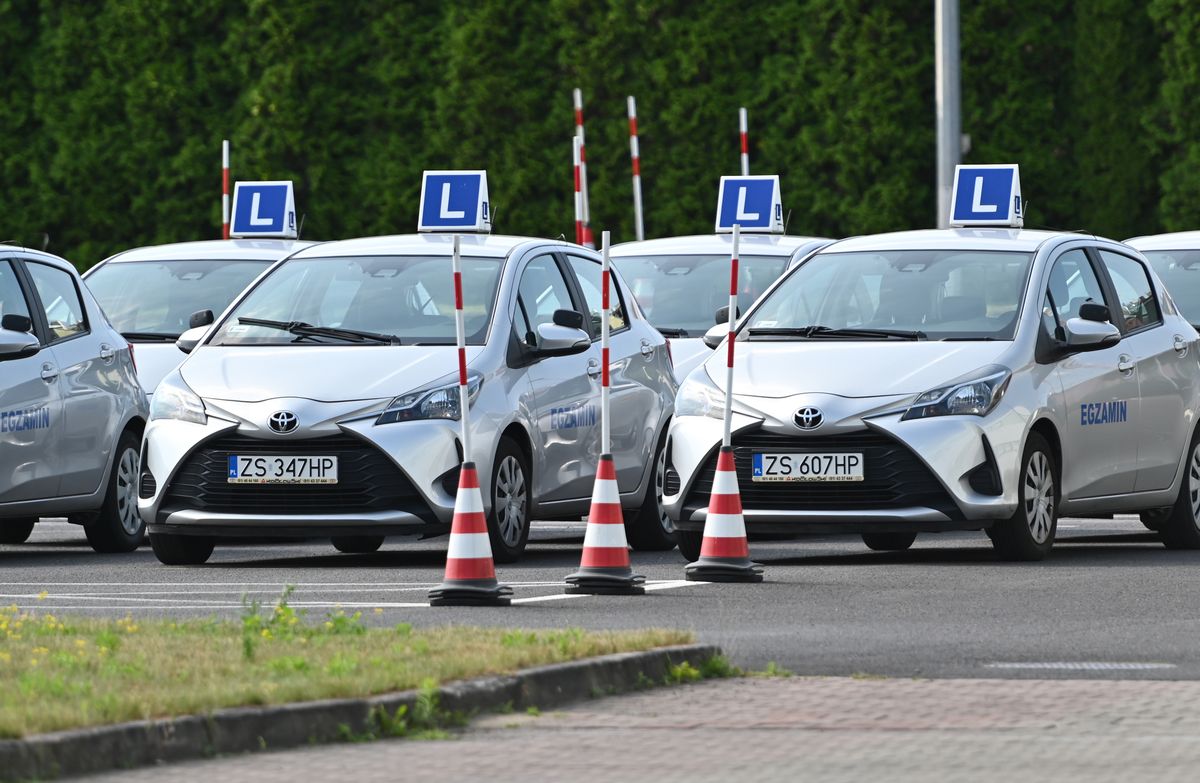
188 341
556 340
17 344
14 322
1088 335
715 334
568 318
200 318
1094 311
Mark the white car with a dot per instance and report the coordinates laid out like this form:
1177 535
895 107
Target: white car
1175 258
965 379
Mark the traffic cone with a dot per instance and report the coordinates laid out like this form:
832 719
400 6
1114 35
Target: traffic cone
724 553
605 568
470 574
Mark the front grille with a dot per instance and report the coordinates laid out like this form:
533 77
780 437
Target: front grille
367 481
893 477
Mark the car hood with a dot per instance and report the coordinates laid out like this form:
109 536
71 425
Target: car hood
154 361
333 373
687 353
850 369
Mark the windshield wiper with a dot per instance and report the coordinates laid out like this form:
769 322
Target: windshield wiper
828 331
671 331
151 337
302 329
968 339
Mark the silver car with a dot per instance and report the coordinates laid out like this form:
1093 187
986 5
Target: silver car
71 410
952 380
153 294
325 402
681 282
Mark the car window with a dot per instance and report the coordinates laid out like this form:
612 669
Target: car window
1139 307
12 300
542 291
1179 271
587 272
1073 283
60 300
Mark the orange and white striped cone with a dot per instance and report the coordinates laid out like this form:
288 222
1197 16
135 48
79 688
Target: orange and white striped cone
724 553
470 573
605 569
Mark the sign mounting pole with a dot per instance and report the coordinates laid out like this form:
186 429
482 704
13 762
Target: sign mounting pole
464 402
727 438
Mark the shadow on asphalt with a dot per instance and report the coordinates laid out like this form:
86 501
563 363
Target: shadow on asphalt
1102 551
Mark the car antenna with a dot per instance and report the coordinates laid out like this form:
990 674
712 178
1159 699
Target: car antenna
787 220
300 228
45 240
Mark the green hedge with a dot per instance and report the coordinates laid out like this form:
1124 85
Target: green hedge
114 110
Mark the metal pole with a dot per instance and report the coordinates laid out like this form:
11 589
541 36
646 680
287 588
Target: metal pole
605 427
744 130
733 288
948 95
635 155
578 194
583 178
225 189
464 401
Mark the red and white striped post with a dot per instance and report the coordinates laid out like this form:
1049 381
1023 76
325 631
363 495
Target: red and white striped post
575 149
727 438
585 207
460 339
744 129
225 189
636 158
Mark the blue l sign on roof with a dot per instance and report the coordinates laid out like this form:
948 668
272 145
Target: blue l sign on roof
264 209
753 203
454 201
987 196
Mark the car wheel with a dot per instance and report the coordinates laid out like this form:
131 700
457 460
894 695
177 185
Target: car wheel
508 522
649 529
357 545
1155 517
16 531
889 542
118 527
690 542
1029 533
1180 529
181 550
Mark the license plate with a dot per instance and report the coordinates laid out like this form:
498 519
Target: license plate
282 470
808 467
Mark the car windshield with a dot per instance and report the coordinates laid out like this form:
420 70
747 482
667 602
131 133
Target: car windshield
328 300
911 294
680 294
157 298
1179 271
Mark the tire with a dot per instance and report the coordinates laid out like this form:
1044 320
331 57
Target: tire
181 550
690 542
1180 528
357 545
17 530
889 542
118 528
1029 533
508 521
1155 517
649 529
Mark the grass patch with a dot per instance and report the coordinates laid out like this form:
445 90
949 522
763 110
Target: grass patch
61 673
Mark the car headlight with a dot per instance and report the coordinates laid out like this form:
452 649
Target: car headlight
700 398
975 396
174 400
438 400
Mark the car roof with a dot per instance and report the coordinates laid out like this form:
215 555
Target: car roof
218 249
1179 240
948 239
486 245
750 244
36 255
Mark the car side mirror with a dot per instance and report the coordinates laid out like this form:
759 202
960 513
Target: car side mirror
722 314
558 340
568 318
188 341
715 334
16 323
1094 311
17 344
1088 335
201 318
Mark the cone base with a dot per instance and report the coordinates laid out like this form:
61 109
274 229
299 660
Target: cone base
592 582
709 570
459 595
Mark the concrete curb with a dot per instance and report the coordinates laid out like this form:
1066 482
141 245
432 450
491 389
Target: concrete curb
247 729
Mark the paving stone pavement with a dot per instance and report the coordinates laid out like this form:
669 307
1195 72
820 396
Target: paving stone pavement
785 729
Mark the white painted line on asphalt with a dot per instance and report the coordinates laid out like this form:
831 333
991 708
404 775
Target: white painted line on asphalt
1082 665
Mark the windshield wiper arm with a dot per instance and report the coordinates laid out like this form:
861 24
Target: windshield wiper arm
671 331
817 330
154 337
302 329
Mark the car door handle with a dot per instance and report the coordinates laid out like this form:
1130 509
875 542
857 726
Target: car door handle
49 373
593 368
1125 364
107 353
1181 346
647 349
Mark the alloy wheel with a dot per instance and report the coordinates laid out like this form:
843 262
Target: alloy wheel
510 500
1039 497
660 481
1194 484
127 470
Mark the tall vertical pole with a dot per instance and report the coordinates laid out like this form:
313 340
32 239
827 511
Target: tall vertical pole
225 189
744 130
605 426
727 439
578 193
460 338
635 156
583 178
948 95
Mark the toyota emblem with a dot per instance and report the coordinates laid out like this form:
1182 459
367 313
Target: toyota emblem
808 418
283 421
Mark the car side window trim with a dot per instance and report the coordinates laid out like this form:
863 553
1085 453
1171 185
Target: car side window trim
1110 290
22 287
582 305
48 337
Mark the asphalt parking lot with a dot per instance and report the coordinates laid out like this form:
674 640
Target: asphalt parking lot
1110 602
